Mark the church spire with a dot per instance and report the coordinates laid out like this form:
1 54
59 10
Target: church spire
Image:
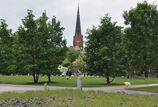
78 38
78 25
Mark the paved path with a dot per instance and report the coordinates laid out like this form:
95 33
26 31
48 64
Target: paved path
115 89
122 89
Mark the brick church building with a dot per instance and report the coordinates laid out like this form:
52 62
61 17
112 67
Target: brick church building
78 38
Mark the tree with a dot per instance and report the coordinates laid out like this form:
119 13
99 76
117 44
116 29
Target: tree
66 63
29 45
71 56
141 36
53 46
6 56
80 63
41 46
101 49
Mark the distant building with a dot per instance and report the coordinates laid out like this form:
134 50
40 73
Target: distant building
78 38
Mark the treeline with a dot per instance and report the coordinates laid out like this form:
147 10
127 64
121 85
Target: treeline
113 51
35 48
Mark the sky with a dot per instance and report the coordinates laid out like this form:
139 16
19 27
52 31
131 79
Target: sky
91 11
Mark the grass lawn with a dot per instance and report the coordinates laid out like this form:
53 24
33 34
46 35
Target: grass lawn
76 98
148 89
87 81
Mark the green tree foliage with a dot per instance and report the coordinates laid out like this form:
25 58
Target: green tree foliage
66 63
101 49
54 48
141 37
41 46
30 47
6 53
71 56
80 63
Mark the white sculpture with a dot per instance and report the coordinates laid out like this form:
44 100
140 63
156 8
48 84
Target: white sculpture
63 70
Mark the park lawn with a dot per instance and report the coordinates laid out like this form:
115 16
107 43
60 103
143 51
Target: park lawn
76 98
148 89
87 81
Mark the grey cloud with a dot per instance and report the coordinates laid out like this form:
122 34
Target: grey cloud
65 10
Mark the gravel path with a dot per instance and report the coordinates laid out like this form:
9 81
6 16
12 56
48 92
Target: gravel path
115 89
122 89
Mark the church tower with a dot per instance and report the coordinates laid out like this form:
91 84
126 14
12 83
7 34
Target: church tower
78 38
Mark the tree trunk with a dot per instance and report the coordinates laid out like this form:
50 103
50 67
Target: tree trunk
35 73
108 76
146 74
128 76
35 77
49 79
84 74
145 68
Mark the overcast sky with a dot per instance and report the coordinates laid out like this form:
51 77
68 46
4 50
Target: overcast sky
65 10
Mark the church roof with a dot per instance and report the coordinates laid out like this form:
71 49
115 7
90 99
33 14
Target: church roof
78 25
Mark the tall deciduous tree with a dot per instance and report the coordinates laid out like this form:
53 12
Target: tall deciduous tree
6 40
30 46
41 46
80 63
71 56
53 46
101 49
142 36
